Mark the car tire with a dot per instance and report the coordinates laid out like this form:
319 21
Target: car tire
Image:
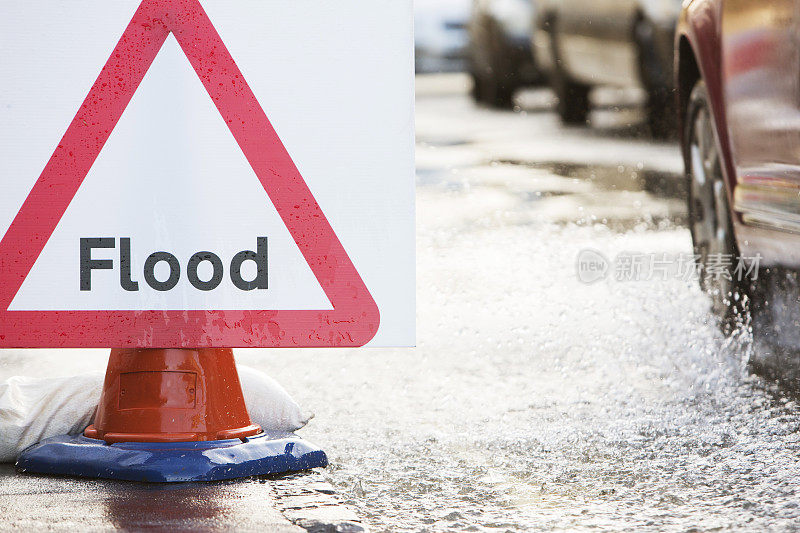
493 84
498 94
660 106
661 113
709 212
573 97
490 92
477 89
573 100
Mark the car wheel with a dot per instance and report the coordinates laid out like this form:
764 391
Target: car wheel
573 98
491 92
499 94
709 213
573 101
660 106
661 113
493 85
477 91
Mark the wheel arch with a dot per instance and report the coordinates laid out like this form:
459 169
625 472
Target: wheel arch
687 73
699 56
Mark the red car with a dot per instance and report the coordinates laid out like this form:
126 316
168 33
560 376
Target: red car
738 79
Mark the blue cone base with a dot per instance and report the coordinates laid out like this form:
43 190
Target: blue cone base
266 453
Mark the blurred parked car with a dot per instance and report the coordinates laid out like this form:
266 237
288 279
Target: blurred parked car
500 54
738 79
440 35
625 43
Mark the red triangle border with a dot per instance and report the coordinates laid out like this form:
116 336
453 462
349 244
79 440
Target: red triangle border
355 317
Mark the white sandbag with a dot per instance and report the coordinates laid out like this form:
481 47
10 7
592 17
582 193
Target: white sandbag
268 404
33 409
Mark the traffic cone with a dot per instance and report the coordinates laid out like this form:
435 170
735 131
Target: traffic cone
172 415
171 395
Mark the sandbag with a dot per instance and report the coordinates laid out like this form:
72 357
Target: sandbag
268 404
34 409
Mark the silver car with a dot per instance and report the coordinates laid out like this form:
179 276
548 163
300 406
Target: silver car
585 43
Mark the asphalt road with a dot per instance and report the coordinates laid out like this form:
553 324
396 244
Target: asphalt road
533 401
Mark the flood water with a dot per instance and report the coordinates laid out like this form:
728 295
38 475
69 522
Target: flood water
534 401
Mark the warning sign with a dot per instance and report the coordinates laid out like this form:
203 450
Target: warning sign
238 174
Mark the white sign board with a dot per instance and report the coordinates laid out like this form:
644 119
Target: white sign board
206 173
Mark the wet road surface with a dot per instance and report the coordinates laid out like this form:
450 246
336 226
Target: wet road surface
533 401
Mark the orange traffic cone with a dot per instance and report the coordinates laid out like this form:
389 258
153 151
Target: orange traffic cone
171 395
